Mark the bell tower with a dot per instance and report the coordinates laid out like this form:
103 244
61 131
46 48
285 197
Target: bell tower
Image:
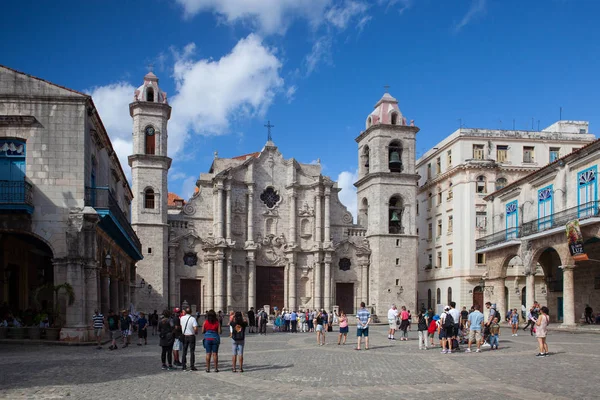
149 168
387 193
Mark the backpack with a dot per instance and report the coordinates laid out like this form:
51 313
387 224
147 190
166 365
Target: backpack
432 327
448 321
237 332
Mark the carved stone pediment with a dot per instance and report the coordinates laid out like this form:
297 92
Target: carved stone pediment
238 206
306 210
271 250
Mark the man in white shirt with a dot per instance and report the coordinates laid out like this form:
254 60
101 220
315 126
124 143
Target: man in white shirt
189 327
456 318
392 318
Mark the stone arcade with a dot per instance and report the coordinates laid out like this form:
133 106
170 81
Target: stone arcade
262 229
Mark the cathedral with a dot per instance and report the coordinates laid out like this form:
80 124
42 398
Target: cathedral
265 230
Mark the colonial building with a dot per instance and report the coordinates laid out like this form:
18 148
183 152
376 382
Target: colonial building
262 229
528 222
64 204
455 177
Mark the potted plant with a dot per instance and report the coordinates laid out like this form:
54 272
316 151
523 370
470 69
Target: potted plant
35 331
53 332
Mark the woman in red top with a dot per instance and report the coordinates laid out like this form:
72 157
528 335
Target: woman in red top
404 320
212 338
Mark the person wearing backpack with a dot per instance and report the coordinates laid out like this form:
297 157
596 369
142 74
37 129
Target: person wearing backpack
422 330
237 332
453 342
446 330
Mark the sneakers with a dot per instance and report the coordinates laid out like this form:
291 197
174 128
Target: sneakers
540 355
170 368
444 351
193 369
478 351
164 367
177 364
467 350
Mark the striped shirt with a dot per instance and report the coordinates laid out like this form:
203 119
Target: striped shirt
98 321
363 316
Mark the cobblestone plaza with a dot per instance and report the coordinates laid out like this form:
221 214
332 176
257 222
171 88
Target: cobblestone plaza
292 366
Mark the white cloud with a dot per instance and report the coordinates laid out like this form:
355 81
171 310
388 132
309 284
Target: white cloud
209 94
340 15
188 187
321 52
477 8
290 93
267 16
347 195
112 102
174 175
403 5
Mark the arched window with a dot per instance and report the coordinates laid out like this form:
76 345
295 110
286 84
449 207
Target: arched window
363 214
149 198
366 156
269 227
500 183
480 184
428 298
395 157
150 138
438 297
150 94
396 209
394 118
449 295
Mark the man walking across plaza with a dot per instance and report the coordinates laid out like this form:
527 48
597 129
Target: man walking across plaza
98 320
392 321
363 317
176 324
142 329
189 327
113 328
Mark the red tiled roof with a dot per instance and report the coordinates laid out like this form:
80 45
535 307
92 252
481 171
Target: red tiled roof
247 156
172 198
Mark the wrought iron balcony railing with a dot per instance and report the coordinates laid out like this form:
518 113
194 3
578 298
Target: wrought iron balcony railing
558 219
102 198
16 193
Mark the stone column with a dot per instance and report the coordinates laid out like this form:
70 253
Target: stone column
120 294
172 277
104 293
220 284
286 281
292 230
250 211
318 299
530 291
210 284
327 237
92 294
568 295
229 282
228 215
500 296
327 285
252 283
364 284
292 286
220 211
318 216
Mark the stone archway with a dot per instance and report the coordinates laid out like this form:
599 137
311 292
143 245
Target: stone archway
25 265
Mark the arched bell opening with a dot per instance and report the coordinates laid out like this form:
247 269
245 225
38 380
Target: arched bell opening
395 157
396 210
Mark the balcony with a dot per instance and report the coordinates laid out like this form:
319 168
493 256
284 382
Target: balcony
557 220
114 222
16 196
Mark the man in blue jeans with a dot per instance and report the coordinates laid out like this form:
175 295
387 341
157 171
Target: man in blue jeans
189 327
363 317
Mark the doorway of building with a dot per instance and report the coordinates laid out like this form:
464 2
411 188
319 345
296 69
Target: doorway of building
270 287
478 297
344 297
559 306
190 290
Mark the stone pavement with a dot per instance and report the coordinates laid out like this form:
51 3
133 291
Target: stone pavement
292 366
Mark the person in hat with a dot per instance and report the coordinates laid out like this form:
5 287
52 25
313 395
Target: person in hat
443 335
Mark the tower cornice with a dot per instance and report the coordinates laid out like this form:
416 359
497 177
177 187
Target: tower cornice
150 105
385 127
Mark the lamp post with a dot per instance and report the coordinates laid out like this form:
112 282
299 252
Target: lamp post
108 261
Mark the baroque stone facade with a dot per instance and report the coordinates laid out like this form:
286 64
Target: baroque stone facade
262 229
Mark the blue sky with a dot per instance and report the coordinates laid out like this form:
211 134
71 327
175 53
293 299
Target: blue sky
314 68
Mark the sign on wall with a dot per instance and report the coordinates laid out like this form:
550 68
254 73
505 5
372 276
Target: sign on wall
575 239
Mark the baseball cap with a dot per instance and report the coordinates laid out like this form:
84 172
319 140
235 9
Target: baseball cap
176 309
436 317
446 308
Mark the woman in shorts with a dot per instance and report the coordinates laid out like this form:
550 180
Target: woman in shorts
237 332
343 321
514 322
212 338
319 328
541 330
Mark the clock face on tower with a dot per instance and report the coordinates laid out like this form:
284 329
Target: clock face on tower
149 131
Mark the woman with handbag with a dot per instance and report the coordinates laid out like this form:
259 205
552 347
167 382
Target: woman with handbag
212 338
167 338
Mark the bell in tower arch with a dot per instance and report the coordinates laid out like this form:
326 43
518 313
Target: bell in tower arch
395 161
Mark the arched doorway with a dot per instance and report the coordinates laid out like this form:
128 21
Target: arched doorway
553 275
478 297
25 265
